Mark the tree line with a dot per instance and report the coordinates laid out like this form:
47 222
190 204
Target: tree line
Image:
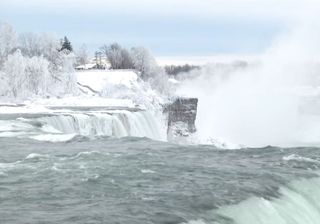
174 70
137 58
34 64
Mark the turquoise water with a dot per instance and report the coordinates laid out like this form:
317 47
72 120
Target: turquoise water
138 180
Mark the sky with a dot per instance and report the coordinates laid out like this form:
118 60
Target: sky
166 27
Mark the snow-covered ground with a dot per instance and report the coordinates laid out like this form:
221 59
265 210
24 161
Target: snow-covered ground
99 88
98 79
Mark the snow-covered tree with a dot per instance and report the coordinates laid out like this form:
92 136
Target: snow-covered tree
15 77
34 64
149 70
144 62
82 55
8 41
50 48
30 44
64 79
25 77
37 74
66 45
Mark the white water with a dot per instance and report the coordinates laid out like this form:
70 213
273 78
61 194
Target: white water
122 124
299 204
63 127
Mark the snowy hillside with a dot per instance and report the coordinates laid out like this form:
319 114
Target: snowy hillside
98 79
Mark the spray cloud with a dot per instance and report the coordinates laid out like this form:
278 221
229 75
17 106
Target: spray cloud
267 102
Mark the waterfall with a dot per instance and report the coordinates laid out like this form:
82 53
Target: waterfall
117 124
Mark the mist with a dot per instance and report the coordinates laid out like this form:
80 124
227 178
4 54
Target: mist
266 102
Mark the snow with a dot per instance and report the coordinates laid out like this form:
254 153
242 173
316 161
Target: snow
86 66
114 88
26 109
43 105
98 79
173 81
82 101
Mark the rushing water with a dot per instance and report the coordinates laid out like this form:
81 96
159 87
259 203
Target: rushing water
63 126
100 167
137 180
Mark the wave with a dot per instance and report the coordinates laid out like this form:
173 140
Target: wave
294 157
54 137
36 156
298 204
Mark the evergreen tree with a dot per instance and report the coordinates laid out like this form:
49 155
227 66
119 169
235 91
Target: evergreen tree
66 45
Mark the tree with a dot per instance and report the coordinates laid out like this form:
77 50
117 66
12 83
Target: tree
14 69
113 53
30 44
98 59
26 76
118 57
67 74
174 70
144 62
35 64
82 55
37 74
50 49
66 45
126 60
8 41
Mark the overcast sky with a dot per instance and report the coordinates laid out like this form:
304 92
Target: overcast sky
166 27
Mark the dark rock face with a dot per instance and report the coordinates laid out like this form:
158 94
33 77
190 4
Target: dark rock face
182 114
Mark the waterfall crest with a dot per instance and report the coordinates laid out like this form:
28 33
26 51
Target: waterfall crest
122 124
117 124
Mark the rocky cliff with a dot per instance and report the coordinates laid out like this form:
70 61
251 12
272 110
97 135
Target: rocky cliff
181 114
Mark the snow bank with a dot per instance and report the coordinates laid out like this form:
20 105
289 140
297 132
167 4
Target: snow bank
111 88
123 85
98 79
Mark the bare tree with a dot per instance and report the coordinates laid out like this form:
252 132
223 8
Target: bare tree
113 53
126 60
118 57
